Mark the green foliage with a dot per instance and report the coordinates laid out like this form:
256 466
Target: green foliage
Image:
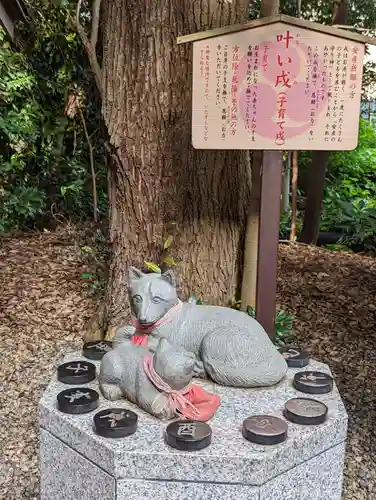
357 221
194 300
350 193
361 14
44 155
285 224
94 253
95 283
338 247
283 325
353 173
19 126
283 322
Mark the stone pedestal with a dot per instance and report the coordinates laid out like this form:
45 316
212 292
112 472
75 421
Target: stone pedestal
76 464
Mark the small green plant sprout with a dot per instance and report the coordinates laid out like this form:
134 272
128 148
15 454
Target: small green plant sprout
165 260
235 304
95 283
283 325
154 268
194 300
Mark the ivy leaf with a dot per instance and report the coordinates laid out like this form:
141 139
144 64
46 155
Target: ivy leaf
194 300
87 276
152 267
86 249
168 242
251 311
235 304
169 261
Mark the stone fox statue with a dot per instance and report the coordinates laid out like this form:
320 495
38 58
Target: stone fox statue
231 347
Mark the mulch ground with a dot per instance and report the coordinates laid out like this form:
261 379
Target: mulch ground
333 296
44 304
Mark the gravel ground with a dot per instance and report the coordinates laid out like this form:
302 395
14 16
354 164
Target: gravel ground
44 304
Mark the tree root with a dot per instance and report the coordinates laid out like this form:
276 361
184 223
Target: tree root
96 326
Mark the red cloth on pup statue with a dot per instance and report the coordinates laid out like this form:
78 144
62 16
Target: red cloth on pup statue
192 402
205 402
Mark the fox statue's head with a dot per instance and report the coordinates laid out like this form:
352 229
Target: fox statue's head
174 365
151 295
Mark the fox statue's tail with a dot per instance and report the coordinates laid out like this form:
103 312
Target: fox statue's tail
251 359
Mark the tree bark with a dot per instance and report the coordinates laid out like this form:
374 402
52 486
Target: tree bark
294 188
160 178
286 181
315 194
249 282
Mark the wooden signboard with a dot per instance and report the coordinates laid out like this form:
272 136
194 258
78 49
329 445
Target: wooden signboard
275 84
276 87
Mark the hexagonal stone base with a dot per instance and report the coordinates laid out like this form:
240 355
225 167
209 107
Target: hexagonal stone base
76 464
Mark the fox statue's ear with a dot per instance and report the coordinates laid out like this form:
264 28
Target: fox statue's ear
163 345
169 277
135 274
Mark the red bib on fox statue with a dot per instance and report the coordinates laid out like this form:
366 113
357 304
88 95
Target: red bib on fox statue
141 339
143 330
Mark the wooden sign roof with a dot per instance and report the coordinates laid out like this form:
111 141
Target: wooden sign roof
281 18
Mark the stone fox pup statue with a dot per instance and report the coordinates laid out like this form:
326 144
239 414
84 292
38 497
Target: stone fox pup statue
230 346
122 374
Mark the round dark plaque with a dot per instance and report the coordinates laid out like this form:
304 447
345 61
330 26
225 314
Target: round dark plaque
305 411
76 372
188 435
96 349
294 356
115 422
264 429
313 382
78 400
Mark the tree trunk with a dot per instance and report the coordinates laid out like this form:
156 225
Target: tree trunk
249 282
286 181
294 188
160 179
315 194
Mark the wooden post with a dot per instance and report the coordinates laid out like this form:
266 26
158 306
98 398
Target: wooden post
252 236
271 185
269 216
